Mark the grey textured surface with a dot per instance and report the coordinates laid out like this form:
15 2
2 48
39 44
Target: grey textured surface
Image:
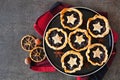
16 20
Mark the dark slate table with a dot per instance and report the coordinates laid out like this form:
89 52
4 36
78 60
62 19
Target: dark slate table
16 20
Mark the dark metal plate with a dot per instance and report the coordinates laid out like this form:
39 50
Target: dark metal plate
87 68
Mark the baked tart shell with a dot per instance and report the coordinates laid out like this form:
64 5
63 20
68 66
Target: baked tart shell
105 52
51 46
74 53
82 31
106 26
69 10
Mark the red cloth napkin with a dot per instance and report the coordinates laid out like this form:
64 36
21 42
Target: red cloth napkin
40 26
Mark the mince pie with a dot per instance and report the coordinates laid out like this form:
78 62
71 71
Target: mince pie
72 61
56 38
79 40
98 26
71 18
97 54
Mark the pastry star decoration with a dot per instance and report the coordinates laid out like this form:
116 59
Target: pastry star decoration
79 39
72 61
57 39
97 27
71 19
97 53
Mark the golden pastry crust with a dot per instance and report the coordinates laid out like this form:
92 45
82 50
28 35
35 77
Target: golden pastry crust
85 34
37 54
69 10
28 42
60 37
97 53
107 27
72 62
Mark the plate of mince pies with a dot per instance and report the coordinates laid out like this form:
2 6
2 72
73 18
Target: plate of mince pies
78 41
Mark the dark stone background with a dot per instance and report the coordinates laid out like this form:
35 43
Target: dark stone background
16 20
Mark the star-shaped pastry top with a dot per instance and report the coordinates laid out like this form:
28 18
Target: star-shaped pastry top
57 39
79 39
71 19
72 61
97 53
97 27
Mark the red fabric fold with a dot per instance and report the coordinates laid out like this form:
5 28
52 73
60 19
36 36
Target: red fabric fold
43 66
82 78
115 36
42 22
43 69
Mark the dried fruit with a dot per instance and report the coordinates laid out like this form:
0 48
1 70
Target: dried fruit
28 42
37 54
